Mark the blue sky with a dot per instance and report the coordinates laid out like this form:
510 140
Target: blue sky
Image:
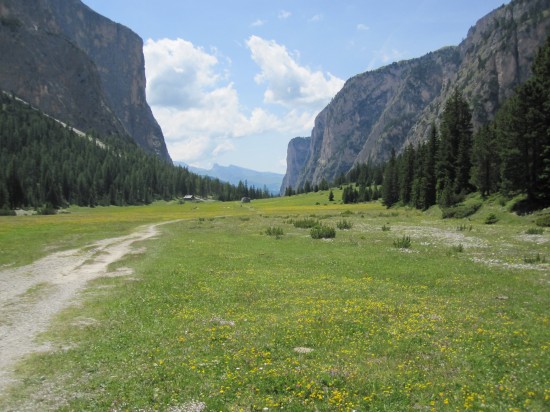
232 81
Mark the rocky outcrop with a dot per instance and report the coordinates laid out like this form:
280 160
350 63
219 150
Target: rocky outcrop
297 155
395 105
79 67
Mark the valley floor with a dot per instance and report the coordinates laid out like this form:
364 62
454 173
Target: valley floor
236 307
31 295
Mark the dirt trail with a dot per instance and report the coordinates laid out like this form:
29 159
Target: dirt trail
31 295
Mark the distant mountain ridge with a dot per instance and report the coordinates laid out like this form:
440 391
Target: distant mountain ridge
395 105
79 67
235 174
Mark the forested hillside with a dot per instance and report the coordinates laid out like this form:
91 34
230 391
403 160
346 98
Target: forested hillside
79 67
510 155
395 105
43 163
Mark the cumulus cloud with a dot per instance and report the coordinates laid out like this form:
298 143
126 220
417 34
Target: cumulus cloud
289 83
177 72
362 27
199 108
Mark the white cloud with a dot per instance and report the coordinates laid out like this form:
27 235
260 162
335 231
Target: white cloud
258 23
177 72
284 14
198 106
288 83
362 27
316 18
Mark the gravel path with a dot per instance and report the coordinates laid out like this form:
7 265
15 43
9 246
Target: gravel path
30 296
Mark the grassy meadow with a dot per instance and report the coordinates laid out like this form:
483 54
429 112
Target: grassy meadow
219 315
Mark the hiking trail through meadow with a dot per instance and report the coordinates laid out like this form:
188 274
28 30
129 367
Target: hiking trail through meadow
31 295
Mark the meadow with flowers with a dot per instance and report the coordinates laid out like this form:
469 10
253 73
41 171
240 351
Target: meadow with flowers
219 315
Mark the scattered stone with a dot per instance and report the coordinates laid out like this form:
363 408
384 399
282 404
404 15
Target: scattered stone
222 322
191 406
301 349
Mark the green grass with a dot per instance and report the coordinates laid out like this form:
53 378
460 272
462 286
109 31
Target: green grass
225 315
403 242
24 239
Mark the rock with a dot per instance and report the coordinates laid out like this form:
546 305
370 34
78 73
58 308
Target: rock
395 105
79 67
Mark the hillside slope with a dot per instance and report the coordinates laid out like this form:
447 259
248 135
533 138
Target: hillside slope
395 105
79 67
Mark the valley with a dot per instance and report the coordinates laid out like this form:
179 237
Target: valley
218 314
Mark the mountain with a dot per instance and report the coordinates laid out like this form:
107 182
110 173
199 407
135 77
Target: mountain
395 105
235 174
79 67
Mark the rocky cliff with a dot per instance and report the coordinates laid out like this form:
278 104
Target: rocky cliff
79 67
296 156
395 105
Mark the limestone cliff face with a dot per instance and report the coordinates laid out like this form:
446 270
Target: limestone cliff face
78 66
297 155
395 105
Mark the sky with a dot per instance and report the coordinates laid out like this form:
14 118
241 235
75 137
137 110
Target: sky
232 81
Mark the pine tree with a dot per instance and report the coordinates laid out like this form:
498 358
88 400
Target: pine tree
390 187
406 174
523 128
485 164
453 160
429 164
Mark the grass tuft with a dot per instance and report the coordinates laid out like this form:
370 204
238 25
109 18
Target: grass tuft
461 211
533 260
344 224
491 219
323 232
275 231
402 243
306 223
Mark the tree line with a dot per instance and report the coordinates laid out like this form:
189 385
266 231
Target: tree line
43 163
510 155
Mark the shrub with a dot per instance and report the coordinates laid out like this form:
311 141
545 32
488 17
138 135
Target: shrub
464 227
323 232
46 210
7 212
460 211
535 231
403 243
344 224
274 231
305 223
534 259
458 248
491 219
385 228
543 221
